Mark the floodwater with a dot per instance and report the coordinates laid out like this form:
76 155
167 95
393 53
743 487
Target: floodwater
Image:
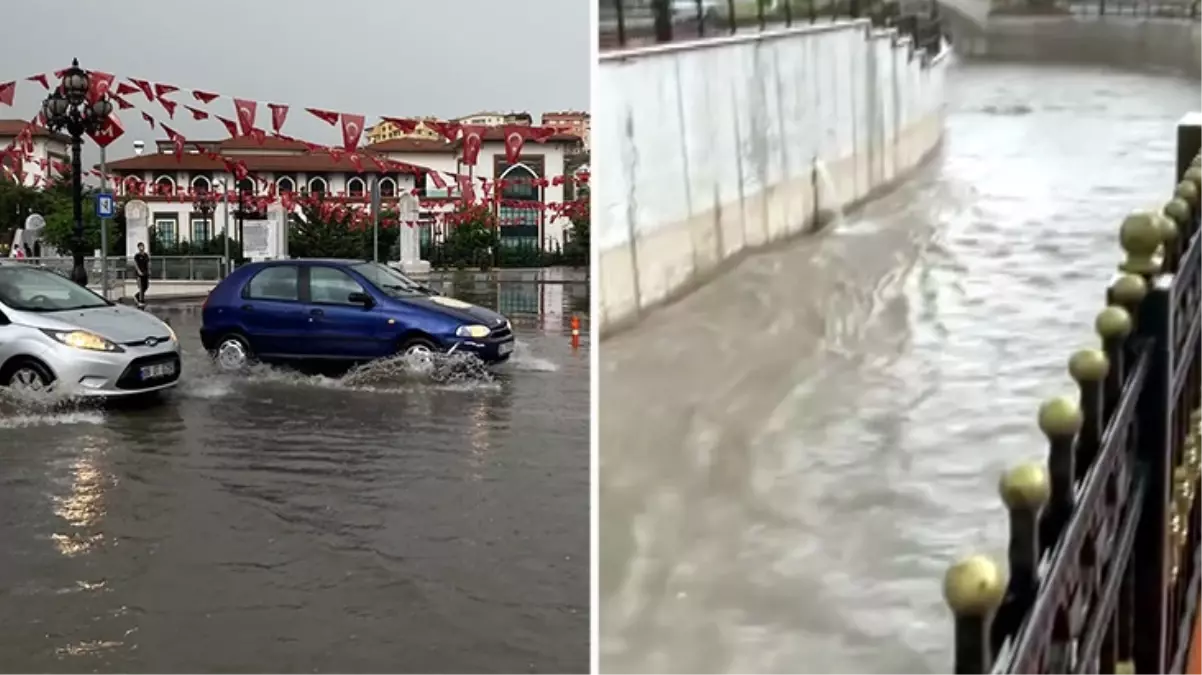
793 455
393 520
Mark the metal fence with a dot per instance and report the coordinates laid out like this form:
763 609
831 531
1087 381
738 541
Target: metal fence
630 23
1165 9
162 268
1104 542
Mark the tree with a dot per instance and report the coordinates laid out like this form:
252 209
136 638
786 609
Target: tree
473 236
325 229
576 252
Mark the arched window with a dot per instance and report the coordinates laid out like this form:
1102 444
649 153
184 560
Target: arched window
247 186
285 185
164 185
132 185
201 184
387 187
354 187
519 222
317 185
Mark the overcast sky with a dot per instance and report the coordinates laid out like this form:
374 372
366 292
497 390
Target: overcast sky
373 57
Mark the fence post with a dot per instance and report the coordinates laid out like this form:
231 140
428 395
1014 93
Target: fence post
973 588
662 10
620 11
1141 238
1025 491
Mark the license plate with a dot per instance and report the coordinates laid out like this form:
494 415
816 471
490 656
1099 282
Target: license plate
157 370
504 348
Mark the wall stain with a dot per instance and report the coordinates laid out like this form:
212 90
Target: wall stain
630 165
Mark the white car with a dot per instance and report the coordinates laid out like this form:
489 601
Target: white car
57 335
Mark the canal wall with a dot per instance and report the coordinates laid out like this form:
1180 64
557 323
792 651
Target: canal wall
718 147
1138 43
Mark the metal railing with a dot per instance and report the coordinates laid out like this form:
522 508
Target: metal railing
629 23
1104 543
1170 9
162 268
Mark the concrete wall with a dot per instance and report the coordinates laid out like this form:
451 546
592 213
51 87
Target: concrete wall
1119 41
710 148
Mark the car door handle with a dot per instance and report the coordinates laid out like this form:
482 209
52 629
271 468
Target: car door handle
316 312
247 308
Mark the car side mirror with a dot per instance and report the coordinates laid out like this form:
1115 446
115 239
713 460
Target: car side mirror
360 298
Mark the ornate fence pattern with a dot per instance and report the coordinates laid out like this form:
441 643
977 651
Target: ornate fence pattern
1104 544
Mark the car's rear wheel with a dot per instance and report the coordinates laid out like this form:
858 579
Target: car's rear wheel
233 353
27 376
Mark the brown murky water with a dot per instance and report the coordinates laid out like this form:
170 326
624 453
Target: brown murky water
792 456
394 521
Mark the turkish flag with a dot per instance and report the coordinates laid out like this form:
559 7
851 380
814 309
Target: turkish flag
230 125
7 91
438 181
405 124
330 118
279 113
246 114
124 89
122 103
149 120
203 96
448 130
161 90
515 136
352 131
176 139
473 136
540 134
110 131
197 114
40 79
169 106
98 85
144 87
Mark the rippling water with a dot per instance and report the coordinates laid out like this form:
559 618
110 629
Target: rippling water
792 456
393 520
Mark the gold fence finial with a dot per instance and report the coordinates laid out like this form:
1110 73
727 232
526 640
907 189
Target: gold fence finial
974 586
1088 365
1025 487
1059 416
1114 322
1140 237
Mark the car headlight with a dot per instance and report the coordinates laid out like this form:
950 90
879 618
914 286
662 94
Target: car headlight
472 331
171 332
82 339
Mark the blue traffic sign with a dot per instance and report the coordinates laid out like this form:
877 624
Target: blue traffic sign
106 206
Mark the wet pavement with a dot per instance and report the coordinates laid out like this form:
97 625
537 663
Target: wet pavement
393 520
791 456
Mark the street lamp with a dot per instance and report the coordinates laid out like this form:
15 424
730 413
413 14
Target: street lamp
205 203
67 109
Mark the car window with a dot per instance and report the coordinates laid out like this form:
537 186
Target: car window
281 282
33 289
389 280
332 286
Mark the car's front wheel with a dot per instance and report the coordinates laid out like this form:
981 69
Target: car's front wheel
233 353
27 376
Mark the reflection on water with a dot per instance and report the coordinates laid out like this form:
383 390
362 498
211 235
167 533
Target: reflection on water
400 518
791 456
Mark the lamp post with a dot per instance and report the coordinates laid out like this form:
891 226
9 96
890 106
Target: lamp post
67 109
205 203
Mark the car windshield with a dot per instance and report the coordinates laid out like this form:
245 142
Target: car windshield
389 280
37 290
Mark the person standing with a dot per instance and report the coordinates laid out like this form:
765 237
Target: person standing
142 271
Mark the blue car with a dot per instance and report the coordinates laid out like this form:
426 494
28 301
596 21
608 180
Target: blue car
341 310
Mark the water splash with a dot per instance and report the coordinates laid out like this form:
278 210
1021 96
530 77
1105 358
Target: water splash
525 359
30 409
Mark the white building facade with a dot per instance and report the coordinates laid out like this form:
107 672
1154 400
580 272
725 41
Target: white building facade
278 167
30 159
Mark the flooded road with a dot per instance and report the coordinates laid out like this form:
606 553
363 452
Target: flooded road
791 456
386 522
